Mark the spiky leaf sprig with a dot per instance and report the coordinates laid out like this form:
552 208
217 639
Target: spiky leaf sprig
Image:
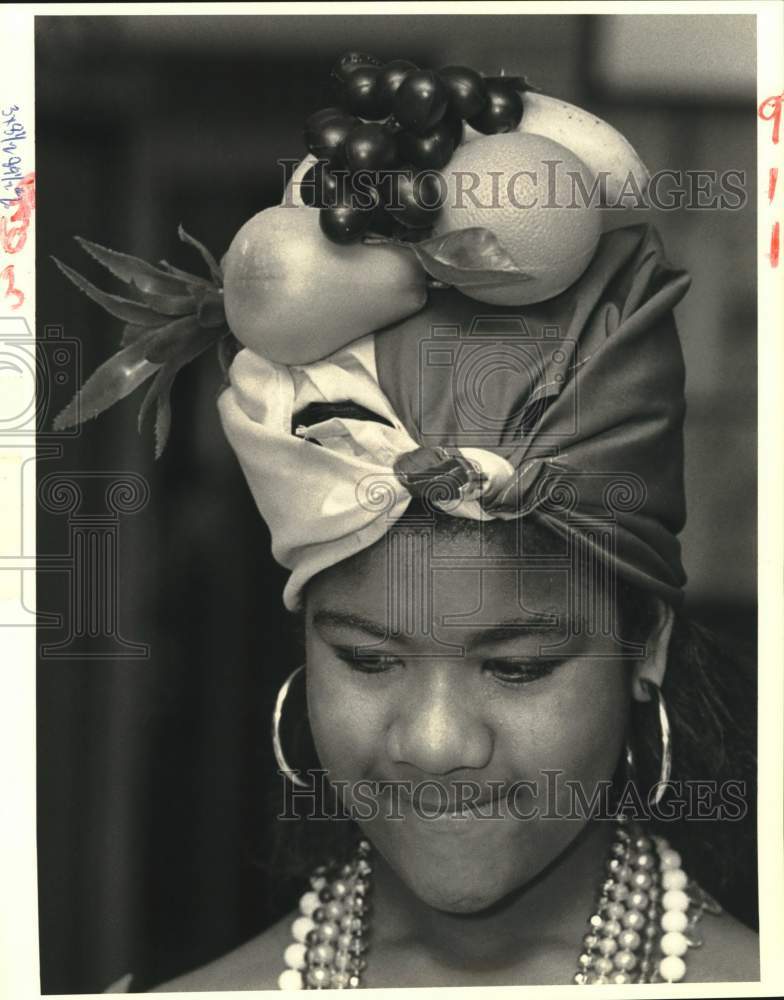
174 317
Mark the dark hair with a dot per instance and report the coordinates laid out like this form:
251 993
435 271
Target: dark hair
710 694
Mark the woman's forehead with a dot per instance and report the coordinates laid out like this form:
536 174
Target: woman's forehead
418 580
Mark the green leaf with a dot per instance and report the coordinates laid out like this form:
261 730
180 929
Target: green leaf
115 305
132 332
159 394
468 258
169 340
109 383
160 389
132 270
210 307
170 305
181 339
162 420
212 264
153 343
192 279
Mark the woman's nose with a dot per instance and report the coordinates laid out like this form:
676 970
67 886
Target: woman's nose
436 727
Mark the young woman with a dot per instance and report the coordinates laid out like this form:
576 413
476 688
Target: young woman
509 892
532 759
517 680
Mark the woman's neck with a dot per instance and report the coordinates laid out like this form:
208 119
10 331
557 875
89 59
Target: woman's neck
552 909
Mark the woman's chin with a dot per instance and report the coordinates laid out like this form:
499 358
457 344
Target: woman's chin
470 891
456 883
457 900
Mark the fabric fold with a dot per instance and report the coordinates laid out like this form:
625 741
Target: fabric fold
570 410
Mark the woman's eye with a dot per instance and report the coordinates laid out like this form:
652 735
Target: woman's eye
367 664
519 671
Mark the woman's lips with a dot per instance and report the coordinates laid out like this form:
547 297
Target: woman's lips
431 800
432 807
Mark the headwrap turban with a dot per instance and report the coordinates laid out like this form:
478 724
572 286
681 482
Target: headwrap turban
569 411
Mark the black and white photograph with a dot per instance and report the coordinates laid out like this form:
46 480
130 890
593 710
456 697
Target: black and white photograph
391 497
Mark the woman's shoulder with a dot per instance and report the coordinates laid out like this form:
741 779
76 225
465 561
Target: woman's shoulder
255 965
729 952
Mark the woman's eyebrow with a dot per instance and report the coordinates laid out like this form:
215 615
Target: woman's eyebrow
514 628
348 619
504 631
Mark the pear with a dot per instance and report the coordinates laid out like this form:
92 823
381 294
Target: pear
294 297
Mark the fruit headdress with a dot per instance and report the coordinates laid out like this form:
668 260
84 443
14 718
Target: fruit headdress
362 369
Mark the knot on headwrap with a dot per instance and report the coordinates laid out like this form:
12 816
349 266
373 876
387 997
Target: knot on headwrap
569 410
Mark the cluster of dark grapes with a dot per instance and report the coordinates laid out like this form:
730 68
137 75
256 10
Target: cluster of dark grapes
393 127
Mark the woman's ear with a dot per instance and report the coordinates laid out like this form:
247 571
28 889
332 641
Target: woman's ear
652 667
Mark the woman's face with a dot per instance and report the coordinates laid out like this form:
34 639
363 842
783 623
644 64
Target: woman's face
431 665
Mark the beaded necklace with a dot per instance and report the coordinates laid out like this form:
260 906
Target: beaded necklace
640 931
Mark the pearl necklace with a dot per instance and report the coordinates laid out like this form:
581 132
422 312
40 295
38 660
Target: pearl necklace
640 931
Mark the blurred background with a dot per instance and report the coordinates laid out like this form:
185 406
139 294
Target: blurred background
154 768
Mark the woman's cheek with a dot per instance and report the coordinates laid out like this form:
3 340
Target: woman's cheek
346 723
578 729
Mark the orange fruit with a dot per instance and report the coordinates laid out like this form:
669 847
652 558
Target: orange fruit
528 191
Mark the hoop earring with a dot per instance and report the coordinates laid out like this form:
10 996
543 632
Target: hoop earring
665 766
631 766
277 748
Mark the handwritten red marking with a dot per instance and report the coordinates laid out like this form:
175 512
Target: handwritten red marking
770 111
8 274
774 246
14 237
773 176
27 187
